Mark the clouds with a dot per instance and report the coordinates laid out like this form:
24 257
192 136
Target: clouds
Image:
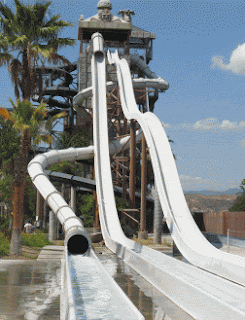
191 183
197 183
166 125
210 131
242 143
237 61
212 124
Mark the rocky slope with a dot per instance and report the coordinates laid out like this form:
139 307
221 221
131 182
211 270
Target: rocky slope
217 203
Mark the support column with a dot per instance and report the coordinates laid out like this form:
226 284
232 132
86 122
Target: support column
45 209
73 199
39 209
96 224
132 165
158 215
52 229
143 233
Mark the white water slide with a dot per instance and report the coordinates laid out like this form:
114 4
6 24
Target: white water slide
200 289
213 287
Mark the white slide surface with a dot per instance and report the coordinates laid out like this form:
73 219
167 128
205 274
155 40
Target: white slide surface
187 236
217 294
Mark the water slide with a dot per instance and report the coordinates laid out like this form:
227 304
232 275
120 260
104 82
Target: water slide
211 288
187 236
87 290
225 277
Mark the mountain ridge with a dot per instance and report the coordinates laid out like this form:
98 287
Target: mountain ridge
232 191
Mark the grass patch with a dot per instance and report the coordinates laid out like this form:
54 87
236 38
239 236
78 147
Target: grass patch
150 242
57 243
166 243
4 245
37 240
145 242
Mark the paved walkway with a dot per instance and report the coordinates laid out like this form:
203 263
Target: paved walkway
234 250
29 290
48 253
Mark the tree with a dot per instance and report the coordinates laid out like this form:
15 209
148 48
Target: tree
239 204
35 37
27 120
65 140
9 146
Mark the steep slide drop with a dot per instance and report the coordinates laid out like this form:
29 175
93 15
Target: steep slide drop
215 297
190 241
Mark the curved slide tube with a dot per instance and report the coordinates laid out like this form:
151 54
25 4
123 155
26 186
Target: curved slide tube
158 83
87 289
214 297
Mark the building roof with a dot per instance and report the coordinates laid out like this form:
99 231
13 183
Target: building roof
140 33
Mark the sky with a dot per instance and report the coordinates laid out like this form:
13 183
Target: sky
200 50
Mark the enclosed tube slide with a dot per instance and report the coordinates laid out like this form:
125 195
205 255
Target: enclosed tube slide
72 226
155 82
215 297
88 292
162 83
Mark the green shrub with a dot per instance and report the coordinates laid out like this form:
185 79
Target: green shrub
37 240
86 209
4 226
4 245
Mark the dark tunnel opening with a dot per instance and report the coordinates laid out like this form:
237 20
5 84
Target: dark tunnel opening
78 244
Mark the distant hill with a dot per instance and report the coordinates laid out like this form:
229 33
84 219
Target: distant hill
209 203
233 191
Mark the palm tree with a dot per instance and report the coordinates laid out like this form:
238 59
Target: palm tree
34 37
28 120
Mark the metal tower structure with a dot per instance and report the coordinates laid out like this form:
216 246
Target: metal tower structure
134 45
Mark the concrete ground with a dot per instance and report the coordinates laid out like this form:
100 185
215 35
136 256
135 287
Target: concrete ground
51 253
233 250
29 290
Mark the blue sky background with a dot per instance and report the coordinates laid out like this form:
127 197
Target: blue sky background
200 49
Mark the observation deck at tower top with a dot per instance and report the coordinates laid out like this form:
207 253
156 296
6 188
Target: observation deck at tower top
115 29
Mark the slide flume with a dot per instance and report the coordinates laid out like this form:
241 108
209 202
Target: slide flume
187 236
215 296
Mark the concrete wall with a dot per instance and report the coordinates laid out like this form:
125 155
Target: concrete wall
219 222
214 222
235 221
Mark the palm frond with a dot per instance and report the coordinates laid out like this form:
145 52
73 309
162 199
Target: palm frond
5 114
34 36
56 58
14 71
49 31
39 10
61 42
50 121
51 21
20 40
5 58
6 11
46 138
40 113
43 50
